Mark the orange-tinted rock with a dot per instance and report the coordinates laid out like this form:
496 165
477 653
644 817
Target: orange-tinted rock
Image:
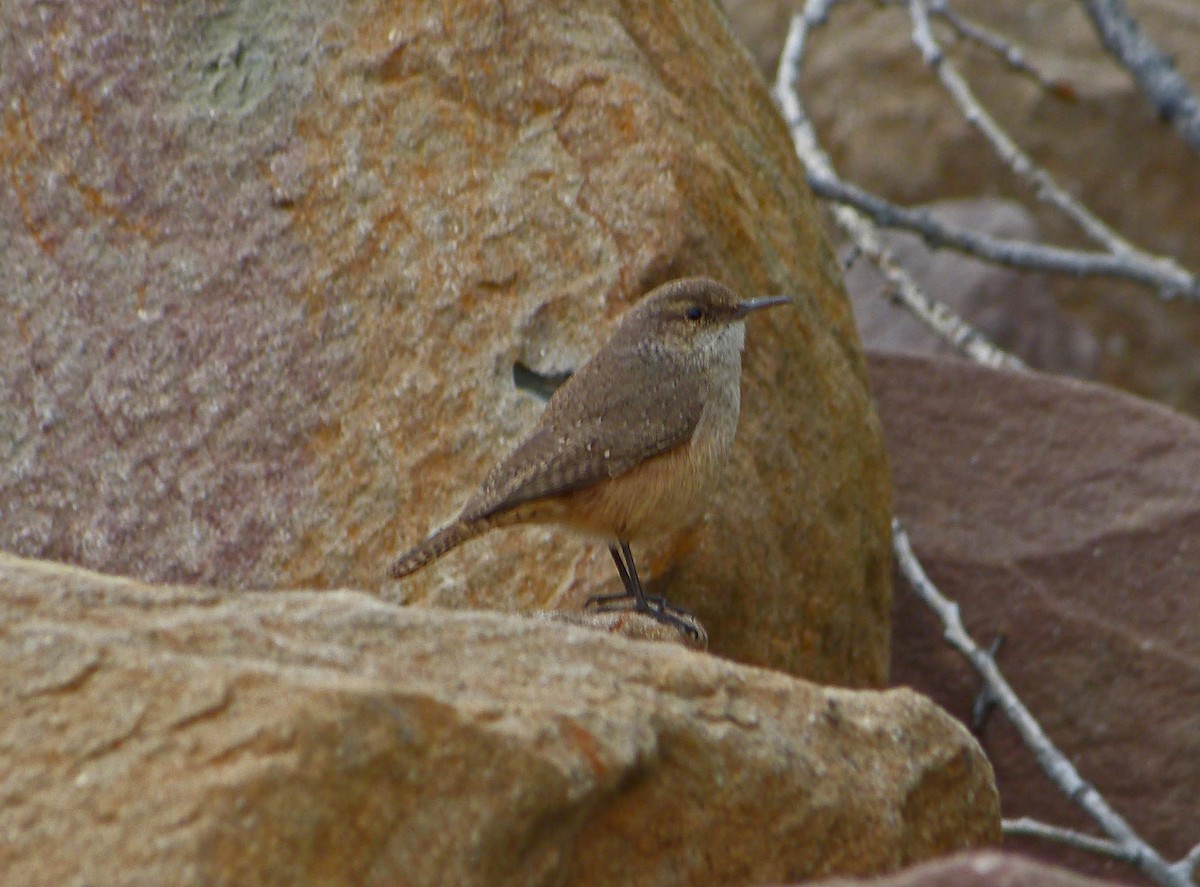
167 735
268 275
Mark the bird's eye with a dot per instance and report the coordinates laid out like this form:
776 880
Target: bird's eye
693 313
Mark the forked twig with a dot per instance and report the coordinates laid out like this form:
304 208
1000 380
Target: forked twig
852 214
862 231
1170 277
1118 259
1053 762
1013 56
1046 187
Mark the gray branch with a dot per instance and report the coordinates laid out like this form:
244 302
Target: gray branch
1018 161
1013 56
851 213
1120 258
1152 68
1053 762
1033 828
861 230
1167 277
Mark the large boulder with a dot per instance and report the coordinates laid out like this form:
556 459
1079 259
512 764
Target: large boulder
1063 516
168 735
272 272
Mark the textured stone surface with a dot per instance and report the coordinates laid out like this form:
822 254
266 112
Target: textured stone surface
890 127
269 269
982 869
1065 517
1014 310
154 735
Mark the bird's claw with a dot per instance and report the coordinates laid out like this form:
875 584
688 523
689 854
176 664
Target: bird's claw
654 606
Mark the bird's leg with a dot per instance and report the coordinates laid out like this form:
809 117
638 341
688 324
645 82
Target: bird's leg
635 583
655 607
652 603
630 591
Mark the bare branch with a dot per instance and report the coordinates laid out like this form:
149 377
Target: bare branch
1012 55
1132 264
952 328
1015 253
1123 842
1047 189
1033 828
863 233
1168 275
1187 865
1063 773
1150 66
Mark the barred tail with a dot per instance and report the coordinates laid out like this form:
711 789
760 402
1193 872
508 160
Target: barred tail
437 545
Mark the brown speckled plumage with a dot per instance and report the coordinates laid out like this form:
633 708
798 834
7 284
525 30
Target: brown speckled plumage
630 444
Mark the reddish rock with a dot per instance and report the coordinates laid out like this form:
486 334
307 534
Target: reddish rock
1065 517
269 273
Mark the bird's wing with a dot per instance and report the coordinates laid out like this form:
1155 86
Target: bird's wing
617 411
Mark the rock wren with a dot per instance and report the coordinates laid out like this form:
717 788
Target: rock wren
631 444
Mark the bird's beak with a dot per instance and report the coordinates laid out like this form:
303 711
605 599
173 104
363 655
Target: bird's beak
749 305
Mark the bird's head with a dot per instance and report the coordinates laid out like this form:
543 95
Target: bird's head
695 313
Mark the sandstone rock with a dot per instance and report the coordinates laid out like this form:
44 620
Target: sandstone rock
158 735
1063 516
890 127
983 869
629 624
269 272
1014 310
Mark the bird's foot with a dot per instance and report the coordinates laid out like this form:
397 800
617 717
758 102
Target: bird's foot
653 603
654 606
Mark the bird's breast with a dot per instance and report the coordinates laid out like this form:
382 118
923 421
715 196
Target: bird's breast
669 491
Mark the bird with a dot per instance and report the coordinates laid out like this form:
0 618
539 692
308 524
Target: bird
631 445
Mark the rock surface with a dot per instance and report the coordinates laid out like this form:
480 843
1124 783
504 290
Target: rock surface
270 270
1014 310
1065 517
153 735
890 127
983 869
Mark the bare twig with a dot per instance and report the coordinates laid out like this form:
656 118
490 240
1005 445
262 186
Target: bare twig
1122 843
1016 253
1047 189
1140 854
952 328
863 232
1150 66
1122 259
1034 828
1012 55
1190 862
1129 263
1171 278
